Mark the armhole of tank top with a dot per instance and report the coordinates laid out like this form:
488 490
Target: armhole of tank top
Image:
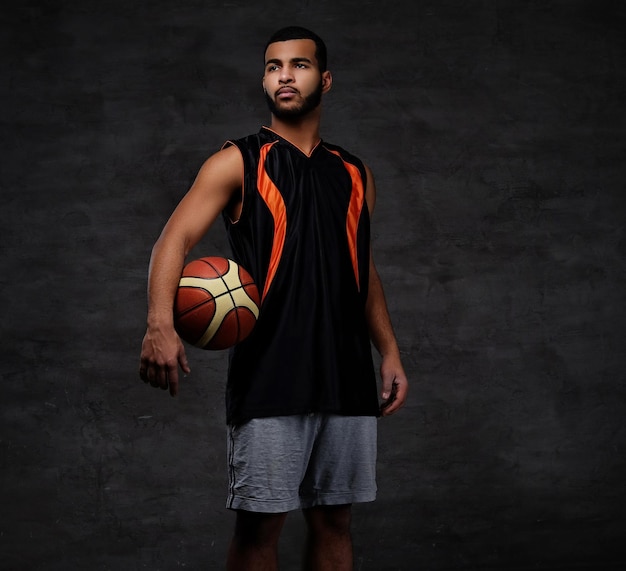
227 144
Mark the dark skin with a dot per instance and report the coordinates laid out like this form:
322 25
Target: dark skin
328 546
291 75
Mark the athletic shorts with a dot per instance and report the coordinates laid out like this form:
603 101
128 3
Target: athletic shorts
279 464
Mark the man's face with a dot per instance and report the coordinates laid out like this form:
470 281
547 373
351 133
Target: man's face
292 81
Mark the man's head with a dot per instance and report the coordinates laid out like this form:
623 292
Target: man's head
295 74
299 33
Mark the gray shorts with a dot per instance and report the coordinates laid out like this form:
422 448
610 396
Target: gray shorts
279 464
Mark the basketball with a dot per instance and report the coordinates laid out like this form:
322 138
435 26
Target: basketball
217 303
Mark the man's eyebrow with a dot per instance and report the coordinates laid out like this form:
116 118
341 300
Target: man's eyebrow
292 60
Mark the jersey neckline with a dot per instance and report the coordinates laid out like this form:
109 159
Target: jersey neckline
307 155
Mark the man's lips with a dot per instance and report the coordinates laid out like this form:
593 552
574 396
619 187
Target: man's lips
286 92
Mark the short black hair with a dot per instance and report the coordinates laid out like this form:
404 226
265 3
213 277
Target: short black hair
300 33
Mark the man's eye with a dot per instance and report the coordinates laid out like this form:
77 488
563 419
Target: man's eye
272 68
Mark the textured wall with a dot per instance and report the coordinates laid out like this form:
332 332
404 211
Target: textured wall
496 134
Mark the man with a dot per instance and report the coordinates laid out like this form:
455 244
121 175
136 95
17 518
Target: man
301 397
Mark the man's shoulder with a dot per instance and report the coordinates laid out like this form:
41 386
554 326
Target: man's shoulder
345 155
252 140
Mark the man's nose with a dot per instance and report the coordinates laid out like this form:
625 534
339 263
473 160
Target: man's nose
285 75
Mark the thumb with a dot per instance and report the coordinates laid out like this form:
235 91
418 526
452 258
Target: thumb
387 379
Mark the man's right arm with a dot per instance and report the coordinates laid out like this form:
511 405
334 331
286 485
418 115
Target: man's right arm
218 182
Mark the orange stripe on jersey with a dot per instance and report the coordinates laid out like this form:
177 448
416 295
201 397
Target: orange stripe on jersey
355 207
274 201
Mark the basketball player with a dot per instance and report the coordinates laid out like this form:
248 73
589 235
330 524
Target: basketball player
302 402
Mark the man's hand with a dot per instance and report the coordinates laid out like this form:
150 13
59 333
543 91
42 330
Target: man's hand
395 385
161 353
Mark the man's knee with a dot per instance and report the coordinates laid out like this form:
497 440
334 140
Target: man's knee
333 520
252 528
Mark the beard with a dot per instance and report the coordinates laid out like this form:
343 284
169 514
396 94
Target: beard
309 103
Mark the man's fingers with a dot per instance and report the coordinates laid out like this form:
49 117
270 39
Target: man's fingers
172 377
392 407
164 376
173 388
396 398
155 378
387 389
182 360
389 398
143 370
387 376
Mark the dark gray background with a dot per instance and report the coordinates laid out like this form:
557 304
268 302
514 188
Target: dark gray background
496 133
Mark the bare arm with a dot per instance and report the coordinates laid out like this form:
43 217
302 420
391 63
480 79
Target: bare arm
162 350
395 383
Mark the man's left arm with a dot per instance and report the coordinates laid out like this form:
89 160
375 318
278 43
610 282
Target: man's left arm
394 382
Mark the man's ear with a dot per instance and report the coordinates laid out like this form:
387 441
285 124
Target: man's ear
327 81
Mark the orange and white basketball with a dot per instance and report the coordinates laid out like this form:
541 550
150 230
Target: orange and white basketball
217 303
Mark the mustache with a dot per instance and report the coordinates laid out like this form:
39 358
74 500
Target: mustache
287 89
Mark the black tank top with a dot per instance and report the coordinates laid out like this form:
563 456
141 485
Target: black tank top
303 234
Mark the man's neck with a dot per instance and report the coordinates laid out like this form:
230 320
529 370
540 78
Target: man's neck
304 134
